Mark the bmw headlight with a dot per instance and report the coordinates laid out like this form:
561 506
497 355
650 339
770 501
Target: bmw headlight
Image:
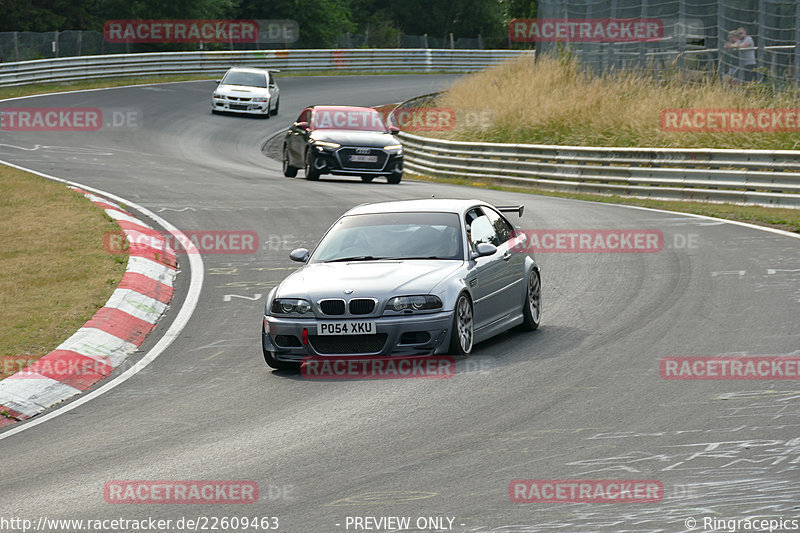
394 148
290 306
414 303
325 144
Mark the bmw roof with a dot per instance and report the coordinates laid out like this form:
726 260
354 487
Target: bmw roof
444 205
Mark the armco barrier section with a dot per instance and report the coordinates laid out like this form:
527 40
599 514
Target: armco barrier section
346 60
753 177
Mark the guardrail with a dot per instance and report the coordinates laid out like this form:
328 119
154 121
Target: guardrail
347 60
753 177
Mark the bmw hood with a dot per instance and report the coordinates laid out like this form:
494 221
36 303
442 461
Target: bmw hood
367 279
370 139
240 91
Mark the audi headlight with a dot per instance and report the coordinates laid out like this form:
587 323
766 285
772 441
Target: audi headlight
289 306
397 148
325 144
414 303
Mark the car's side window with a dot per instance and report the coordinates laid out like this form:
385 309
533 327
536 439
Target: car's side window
501 226
481 229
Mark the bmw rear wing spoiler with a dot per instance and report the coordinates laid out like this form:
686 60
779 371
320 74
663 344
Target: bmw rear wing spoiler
511 209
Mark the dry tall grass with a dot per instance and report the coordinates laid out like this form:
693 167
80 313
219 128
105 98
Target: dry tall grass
551 101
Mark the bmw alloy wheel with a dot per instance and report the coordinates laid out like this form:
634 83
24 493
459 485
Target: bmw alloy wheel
463 325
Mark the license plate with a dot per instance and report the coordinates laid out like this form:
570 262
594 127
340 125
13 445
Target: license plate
364 158
360 327
237 107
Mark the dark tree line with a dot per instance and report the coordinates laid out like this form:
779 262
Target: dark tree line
321 22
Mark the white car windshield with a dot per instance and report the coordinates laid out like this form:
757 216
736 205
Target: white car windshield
248 79
392 236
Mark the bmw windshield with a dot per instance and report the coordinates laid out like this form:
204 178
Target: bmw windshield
398 236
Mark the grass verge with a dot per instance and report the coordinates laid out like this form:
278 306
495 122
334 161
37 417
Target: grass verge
54 272
44 88
552 101
773 217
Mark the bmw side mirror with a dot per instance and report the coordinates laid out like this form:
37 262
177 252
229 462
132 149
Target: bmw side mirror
394 130
484 249
300 255
302 125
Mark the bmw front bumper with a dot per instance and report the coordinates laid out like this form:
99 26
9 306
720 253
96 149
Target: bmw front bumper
424 334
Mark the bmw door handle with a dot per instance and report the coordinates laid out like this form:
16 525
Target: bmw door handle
506 256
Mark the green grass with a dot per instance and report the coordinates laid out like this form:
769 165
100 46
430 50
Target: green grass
54 271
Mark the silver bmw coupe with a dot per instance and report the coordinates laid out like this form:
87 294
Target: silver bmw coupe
414 277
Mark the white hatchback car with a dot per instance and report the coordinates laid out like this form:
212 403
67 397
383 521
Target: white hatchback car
247 90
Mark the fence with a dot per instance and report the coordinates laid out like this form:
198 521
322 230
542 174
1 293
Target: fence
754 177
27 46
399 40
695 33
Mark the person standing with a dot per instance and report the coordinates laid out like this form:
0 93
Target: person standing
747 55
729 63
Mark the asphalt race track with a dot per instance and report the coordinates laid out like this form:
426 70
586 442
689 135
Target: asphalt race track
581 398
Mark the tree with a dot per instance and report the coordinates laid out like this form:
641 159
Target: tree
462 18
159 9
321 22
45 15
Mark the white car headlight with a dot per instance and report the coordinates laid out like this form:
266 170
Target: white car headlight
261 99
217 95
